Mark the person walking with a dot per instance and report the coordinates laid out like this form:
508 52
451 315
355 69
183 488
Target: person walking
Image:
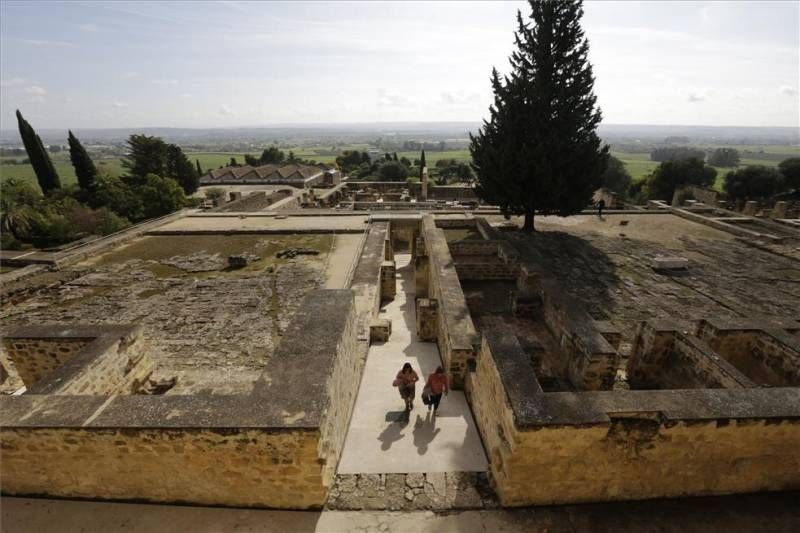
600 205
404 382
436 385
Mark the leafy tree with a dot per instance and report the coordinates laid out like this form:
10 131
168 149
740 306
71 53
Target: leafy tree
251 160
118 195
292 159
539 150
160 196
179 168
200 170
17 208
616 176
670 175
233 162
450 170
83 164
146 155
724 157
755 181
790 169
405 161
669 153
272 156
349 160
393 171
46 173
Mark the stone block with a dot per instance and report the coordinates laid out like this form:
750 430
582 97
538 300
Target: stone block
779 210
427 319
380 329
750 208
669 262
388 280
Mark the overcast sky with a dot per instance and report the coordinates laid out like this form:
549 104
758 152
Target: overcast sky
116 64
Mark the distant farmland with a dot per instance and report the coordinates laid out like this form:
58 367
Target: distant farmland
637 163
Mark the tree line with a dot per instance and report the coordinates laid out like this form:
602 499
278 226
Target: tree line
158 177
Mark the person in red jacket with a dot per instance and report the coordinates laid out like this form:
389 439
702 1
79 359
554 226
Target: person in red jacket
437 384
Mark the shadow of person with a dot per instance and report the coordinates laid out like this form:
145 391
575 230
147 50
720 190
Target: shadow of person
393 431
424 432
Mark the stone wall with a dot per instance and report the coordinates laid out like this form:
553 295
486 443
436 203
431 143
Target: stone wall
764 351
211 465
255 201
591 361
366 283
36 358
663 357
555 448
98 360
456 335
277 447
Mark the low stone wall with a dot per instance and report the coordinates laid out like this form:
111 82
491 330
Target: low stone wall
277 447
366 283
254 202
591 361
764 351
663 357
96 359
555 448
456 334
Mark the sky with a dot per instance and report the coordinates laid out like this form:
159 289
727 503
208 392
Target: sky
231 64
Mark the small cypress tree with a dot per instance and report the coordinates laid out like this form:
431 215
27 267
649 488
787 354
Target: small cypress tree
46 173
84 167
199 170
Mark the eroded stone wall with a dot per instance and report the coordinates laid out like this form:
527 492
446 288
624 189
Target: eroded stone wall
241 467
36 358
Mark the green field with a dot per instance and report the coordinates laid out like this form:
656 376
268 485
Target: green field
637 163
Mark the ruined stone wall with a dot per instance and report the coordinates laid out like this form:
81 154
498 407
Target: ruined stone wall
557 448
456 334
254 202
591 361
633 457
769 357
469 269
36 358
366 283
241 467
665 358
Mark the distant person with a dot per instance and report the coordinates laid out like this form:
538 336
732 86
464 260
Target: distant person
600 205
404 382
437 385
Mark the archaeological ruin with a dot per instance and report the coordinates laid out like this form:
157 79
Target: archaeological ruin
243 355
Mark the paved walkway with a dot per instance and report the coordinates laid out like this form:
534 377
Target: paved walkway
380 439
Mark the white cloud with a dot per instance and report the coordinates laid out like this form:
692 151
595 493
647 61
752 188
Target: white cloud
38 42
695 97
165 82
13 82
388 99
87 27
119 105
36 90
225 110
788 91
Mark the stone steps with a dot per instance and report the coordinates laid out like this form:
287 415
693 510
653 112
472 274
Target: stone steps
439 491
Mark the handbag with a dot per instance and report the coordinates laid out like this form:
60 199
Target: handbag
397 382
426 394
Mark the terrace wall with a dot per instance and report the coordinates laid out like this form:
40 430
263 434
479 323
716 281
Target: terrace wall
277 447
554 448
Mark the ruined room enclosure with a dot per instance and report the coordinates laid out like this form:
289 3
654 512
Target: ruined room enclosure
595 376
211 327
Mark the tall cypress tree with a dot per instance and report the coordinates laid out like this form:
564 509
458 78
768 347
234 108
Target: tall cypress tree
539 150
84 167
179 168
199 170
422 163
46 173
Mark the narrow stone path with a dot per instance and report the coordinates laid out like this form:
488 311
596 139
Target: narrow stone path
380 439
